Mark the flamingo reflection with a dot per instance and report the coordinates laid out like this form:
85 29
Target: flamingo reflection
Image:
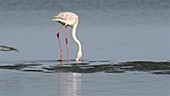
70 84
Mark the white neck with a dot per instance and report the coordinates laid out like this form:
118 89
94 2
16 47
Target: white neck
79 53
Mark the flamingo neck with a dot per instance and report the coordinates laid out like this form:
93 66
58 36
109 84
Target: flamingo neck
79 53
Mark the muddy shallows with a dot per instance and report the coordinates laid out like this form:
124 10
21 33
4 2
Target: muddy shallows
92 67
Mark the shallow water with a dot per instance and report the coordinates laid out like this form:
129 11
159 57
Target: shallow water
110 32
15 83
121 35
89 78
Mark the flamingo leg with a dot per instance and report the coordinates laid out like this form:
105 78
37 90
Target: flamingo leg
67 45
61 53
58 36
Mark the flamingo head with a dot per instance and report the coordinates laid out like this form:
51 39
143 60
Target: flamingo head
79 55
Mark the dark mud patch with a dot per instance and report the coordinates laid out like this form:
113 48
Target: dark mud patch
145 66
95 66
18 66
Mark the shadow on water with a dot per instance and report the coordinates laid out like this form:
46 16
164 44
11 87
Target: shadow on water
53 66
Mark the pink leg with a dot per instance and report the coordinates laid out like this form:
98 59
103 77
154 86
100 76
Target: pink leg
58 36
67 45
61 54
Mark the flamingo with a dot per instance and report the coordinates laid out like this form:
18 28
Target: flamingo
68 19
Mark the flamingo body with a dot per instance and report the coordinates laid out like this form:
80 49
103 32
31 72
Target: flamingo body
66 18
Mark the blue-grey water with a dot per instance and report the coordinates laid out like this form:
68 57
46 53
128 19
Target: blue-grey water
111 30
14 83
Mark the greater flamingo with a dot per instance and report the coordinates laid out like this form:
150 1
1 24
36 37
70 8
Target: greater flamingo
68 19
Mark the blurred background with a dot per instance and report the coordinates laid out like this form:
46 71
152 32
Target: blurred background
119 30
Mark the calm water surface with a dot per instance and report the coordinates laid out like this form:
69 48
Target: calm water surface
110 31
120 35
15 83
